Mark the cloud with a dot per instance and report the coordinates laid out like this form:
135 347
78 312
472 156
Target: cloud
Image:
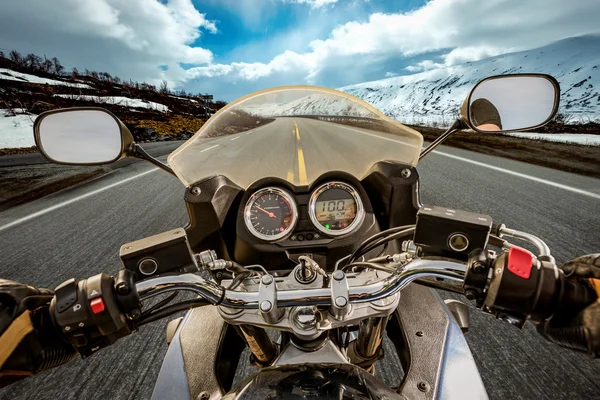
313 3
425 65
391 74
467 29
157 39
132 38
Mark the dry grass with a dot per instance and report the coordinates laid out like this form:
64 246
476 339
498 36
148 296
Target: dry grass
20 150
173 125
579 159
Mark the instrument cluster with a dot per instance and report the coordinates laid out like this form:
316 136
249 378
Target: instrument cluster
335 209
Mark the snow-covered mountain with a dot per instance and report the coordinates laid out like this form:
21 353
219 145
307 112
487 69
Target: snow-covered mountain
314 103
435 96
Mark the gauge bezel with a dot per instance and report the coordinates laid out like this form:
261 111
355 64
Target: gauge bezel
360 209
259 193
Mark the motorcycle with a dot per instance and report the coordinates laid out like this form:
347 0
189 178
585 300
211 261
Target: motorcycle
307 243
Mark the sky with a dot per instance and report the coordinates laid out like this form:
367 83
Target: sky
230 48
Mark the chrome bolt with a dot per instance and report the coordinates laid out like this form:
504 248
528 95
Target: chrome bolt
122 288
341 302
204 396
305 317
420 333
265 306
498 271
196 191
405 173
423 386
470 294
338 275
267 280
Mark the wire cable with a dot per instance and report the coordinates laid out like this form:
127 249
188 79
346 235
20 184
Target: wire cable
169 310
379 235
374 243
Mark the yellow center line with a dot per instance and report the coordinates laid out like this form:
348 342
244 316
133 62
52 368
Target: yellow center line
301 164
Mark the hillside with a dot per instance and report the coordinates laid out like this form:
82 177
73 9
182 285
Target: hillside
30 85
433 97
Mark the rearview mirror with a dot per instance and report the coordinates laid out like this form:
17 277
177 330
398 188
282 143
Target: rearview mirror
81 136
508 103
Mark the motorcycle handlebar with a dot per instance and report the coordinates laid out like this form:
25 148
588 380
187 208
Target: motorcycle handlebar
218 295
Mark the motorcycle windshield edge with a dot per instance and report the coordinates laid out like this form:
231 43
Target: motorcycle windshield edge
294 133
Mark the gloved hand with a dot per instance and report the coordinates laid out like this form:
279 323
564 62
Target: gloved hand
29 343
579 329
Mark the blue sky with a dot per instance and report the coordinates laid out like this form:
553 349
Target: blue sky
247 26
230 48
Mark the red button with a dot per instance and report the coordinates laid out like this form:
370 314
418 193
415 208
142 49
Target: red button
520 262
97 305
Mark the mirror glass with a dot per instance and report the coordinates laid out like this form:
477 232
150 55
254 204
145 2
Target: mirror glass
512 103
80 137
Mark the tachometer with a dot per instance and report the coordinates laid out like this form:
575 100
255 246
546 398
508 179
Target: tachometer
335 208
271 214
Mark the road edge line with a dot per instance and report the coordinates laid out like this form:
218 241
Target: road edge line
73 200
532 178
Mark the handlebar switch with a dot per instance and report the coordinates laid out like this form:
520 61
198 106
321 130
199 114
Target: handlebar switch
66 294
94 320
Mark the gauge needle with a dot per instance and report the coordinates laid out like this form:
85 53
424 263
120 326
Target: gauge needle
270 214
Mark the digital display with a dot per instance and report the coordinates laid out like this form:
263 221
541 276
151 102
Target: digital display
336 214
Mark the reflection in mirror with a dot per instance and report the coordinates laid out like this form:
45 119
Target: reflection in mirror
512 103
80 137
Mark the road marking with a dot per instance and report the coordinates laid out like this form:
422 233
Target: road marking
237 137
301 164
531 178
73 200
208 148
290 176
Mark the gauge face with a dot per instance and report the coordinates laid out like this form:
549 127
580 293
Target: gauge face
270 214
335 208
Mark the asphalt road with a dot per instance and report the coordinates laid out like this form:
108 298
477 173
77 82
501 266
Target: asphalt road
296 149
77 233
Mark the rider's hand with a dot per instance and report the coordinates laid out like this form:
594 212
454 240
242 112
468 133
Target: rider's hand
29 342
578 330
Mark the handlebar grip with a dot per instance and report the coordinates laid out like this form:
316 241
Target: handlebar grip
525 288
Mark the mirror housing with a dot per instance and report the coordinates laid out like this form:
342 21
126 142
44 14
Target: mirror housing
82 136
509 103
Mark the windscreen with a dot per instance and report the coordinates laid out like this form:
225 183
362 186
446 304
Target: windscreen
294 133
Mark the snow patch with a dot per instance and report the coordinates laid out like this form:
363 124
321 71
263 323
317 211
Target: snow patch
117 100
184 98
10 75
577 138
16 130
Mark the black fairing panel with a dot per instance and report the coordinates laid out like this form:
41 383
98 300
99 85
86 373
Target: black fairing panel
394 195
208 211
326 381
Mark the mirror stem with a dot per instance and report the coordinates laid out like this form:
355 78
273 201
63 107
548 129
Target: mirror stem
456 126
139 152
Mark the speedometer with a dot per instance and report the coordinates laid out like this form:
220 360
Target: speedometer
335 208
271 214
